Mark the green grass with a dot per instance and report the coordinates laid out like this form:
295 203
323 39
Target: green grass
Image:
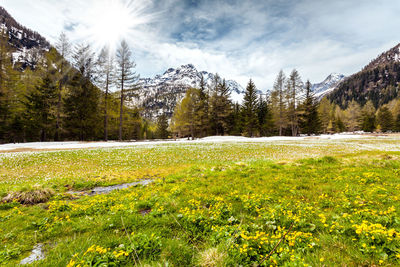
220 204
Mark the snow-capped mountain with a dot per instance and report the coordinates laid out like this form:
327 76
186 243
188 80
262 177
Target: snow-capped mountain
161 94
26 44
328 85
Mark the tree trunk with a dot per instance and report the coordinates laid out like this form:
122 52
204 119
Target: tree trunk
121 110
105 112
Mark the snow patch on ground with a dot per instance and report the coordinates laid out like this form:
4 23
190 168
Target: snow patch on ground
20 147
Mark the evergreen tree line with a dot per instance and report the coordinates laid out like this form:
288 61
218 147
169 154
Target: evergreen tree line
289 109
81 99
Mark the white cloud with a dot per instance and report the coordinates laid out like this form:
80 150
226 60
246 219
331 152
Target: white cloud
239 39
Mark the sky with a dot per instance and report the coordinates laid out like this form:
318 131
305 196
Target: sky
238 39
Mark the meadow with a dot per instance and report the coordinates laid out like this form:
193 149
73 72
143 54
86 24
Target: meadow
284 203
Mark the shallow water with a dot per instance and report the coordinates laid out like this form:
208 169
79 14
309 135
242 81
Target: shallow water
109 189
37 254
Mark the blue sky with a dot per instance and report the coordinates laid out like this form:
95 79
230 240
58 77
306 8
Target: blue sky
238 39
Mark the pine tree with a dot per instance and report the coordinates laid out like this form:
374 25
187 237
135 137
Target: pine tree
41 105
162 127
294 87
126 78
279 105
385 119
64 48
250 104
105 78
310 122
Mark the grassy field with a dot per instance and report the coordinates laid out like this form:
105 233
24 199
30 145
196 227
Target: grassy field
286 203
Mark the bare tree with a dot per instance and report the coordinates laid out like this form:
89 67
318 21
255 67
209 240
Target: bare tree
84 60
278 101
104 78
63 47
294 88
126 78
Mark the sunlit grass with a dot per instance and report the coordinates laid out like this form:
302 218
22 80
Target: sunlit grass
210 204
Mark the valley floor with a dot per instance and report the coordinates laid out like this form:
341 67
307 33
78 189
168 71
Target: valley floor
218 201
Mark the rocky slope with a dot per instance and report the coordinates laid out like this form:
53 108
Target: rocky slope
26 44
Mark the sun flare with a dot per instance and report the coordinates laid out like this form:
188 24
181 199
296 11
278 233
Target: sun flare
110 21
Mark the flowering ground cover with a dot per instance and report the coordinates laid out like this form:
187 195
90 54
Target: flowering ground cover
287 203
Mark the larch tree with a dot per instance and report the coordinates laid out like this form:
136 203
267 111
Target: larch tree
353 116
385 119
126 78
63 47
294 88
279 102
105 78
250 104
325 111
184 119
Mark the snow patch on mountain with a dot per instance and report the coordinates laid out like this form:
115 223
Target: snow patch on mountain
161 94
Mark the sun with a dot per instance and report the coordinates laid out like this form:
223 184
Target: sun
110 21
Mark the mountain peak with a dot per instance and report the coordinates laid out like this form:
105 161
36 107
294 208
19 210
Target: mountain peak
328 85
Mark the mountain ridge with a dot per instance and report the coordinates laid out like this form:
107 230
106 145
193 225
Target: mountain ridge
378 81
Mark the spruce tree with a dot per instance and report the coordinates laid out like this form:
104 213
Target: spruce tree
162 127
201 109
82 100
368 117
82 109
265 116
310 122
250 104
41 106
220 107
